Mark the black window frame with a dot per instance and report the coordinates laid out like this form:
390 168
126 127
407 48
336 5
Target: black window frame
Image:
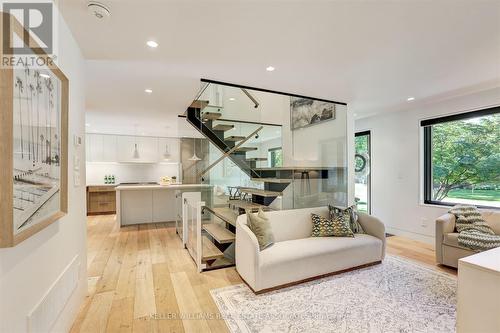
427 146
369 134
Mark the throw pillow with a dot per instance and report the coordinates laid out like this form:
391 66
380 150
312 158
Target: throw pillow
260 226
338 226
469 217
353 217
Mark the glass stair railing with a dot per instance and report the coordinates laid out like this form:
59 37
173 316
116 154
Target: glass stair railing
251 163
231 119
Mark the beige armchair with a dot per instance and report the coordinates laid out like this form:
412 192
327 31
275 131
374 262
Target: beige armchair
447 249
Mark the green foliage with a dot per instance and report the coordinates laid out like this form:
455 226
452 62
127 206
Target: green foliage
465 153
361 143
277 158
486 195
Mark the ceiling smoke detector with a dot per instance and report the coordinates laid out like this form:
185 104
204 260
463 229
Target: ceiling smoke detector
98 10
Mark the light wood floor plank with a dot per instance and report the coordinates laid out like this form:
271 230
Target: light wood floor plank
112 269
140 275
144 304
166 302
97 315
121 315
188 303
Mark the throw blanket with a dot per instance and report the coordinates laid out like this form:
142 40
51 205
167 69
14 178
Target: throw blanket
474 232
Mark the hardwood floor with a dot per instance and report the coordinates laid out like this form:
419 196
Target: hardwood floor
140 279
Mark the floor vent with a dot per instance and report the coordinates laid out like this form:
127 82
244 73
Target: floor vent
45 313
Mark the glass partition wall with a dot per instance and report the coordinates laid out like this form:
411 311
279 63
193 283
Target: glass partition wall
264 150
293 147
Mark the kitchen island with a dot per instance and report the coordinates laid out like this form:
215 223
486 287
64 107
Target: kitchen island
153 203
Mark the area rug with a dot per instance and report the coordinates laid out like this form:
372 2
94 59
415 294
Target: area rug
395 296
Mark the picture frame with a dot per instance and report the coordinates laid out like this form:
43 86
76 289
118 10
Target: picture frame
305 112
33 164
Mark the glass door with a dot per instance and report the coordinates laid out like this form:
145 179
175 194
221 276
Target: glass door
362 190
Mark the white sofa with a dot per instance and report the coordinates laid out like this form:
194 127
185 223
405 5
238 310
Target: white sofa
296 256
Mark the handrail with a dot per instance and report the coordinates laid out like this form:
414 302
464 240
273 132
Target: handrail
226 154
256 104
240 121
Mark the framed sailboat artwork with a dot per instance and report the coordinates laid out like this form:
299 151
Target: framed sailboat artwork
33 147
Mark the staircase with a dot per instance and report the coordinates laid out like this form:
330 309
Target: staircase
263 185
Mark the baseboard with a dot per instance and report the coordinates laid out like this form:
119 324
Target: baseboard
412 235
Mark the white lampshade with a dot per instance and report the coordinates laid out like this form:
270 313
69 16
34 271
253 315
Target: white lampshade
136 152
194 157
166 154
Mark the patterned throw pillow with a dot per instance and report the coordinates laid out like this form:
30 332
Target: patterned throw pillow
323 227
470 218
353 217
260 226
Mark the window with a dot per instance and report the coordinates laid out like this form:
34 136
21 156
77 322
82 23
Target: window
362 171
462 159
275 157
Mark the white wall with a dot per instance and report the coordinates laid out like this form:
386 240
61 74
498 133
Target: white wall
396 163
126 173
28 270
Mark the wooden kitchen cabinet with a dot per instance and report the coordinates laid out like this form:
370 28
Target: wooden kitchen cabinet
101 200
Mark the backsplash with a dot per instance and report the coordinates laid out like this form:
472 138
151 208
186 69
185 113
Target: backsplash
129 172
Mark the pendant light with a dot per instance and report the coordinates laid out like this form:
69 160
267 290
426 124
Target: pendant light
136 150
194 157
166 154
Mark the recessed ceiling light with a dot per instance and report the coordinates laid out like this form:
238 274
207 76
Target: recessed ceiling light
355 114
270 68
232 98
88 125
148 91
47 76
152 44
409 99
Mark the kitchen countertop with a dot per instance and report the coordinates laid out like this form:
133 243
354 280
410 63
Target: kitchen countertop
160 187
101 185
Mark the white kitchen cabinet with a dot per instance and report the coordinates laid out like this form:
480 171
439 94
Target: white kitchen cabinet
164 206
146 146
136 207
109 148
119 148
100 148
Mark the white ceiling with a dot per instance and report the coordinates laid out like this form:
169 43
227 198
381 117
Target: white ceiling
370 54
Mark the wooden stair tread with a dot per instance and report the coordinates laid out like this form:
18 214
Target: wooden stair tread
210 116
255 159
219 233
298 169
209 250
222 262
243 204
245 149
222 127
199 104
272 180
234 138
258 191
225 214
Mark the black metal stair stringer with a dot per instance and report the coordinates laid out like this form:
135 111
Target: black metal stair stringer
194 118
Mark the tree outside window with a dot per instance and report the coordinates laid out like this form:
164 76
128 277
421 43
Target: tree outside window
466 161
